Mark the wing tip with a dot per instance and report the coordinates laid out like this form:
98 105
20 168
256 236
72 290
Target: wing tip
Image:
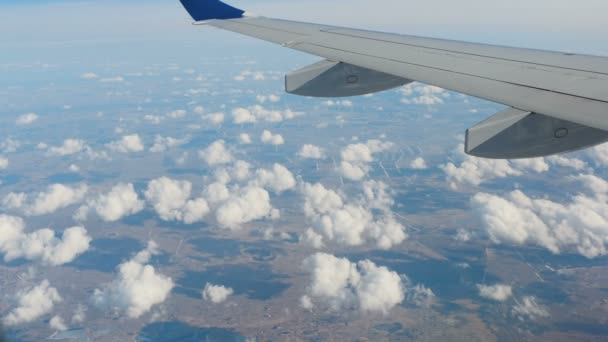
201 10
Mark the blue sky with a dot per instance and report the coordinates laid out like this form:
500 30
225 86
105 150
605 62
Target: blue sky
556 25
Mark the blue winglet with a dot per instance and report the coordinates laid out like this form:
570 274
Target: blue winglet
211 9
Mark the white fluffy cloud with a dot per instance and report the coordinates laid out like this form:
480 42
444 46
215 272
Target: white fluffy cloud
214 118
137 288
529 308
57 323
216 153
258 113
171 201
57 196
245 205
244 139
309 151
33 303
338 284
356 158
162 144
216 293
351 223
278 179
418 164
580 225
272 139
41 245
26 119
120 201
498 292
177 114
418 94
127 144
3 163
69 147
88 76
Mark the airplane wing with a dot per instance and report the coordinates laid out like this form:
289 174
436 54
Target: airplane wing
558 102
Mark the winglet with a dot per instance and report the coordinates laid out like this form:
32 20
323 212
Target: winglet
211 9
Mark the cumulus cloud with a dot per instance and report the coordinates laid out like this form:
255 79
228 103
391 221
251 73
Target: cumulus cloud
580 225
244 139
216 293
69 147
270 98
339 284
309 151
214 118
171 201
421 296
356 158
57 196
127 144
245 205
120 201
529 308
258 113
88 76
474 171
116 79
498 292
162 144
57 323
272 139
3 163
26 119
351 223
9 145
137 288
41 245
33 303
341 103
216 153
278 179
418 94
418 164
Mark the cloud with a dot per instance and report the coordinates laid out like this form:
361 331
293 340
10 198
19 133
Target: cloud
214 118
177 114
473 171
245 205
137 288
351 223
162 144
117 79
127 144
41 245
33 303
171 201
69 147
269 98
26 119
418 164
356 157
418 94
498 292
121 201
421 296
9 145
57 323
272 139
88 76
278 179
579 225
244 139
338 284
529 308
216 293
57 196
340 103
216 154
309 151
3 163
258 113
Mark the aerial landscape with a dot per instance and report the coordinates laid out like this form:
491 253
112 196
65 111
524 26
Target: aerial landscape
158 184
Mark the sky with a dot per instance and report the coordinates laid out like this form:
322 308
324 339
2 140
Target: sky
557 24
